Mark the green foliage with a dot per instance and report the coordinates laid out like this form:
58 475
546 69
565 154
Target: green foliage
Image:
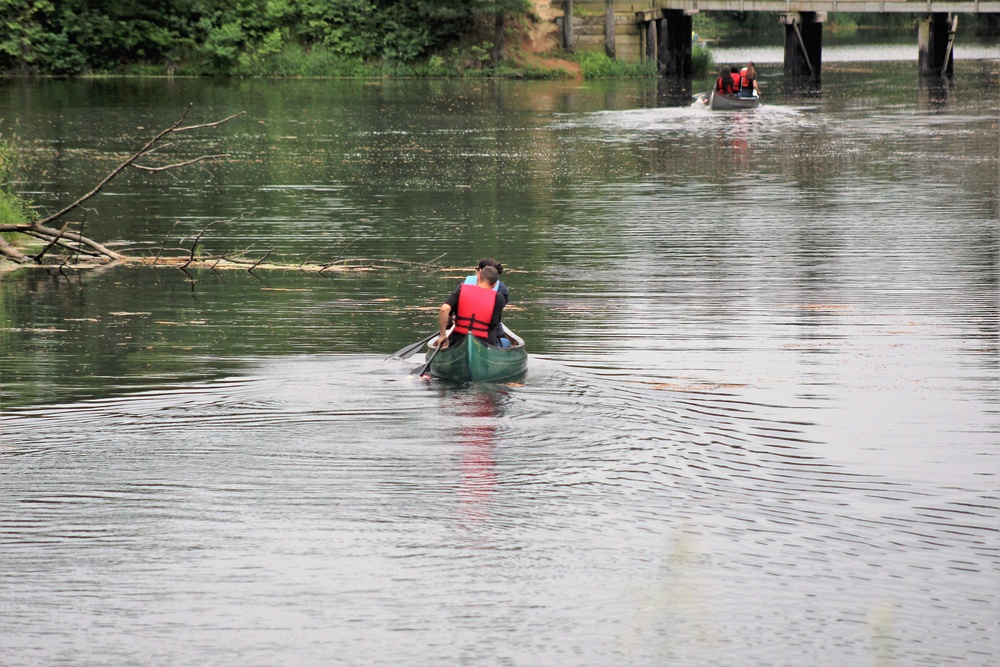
23 26
296 61
482 52
13 209
701 59
842 24
242 37
597 65
720 25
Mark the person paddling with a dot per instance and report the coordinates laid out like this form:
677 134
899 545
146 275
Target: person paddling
748 81
476 309
502 339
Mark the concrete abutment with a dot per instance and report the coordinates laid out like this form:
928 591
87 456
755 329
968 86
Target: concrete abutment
662 31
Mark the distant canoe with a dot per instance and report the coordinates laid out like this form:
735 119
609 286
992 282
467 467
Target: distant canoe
472 360
720 102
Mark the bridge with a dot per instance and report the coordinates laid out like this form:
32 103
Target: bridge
665 30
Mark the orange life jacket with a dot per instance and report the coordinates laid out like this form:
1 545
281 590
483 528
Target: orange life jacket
724 85
745 82
475 310
736 80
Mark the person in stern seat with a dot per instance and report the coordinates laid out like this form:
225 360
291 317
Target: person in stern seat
502 340
476 308
748 81
724 84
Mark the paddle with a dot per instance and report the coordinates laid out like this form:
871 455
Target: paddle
423 371
409 350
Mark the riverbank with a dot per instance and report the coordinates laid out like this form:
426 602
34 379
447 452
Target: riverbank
516 39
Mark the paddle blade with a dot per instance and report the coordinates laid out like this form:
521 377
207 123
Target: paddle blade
409 350
427 366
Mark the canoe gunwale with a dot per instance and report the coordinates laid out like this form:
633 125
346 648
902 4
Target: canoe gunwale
731 102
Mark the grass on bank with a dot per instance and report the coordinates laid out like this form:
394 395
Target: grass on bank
597 65
13 209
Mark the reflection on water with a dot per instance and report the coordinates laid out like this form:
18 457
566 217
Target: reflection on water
482 409
759 423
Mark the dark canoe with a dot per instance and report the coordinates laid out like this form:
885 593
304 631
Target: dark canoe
472 360
720 102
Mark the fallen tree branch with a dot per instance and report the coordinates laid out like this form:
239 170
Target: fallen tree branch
48 233
261 260
194 245
117 170
54 241
180 164
169 231
376 262
145 150
337 259
78 251
59 237
12 253
311 255
203 125
63 243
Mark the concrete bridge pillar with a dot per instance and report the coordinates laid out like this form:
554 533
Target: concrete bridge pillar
935 44
803 47
674 47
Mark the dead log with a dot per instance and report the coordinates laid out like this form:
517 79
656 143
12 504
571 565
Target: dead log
76 242
12 253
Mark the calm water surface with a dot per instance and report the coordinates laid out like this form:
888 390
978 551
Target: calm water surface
759 425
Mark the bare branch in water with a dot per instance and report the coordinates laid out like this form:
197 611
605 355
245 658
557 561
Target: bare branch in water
181 164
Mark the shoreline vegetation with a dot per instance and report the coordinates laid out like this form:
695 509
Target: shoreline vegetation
513 39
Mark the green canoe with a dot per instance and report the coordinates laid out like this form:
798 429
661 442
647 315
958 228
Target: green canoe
472 360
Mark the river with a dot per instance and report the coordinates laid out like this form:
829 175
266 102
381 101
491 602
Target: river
759 426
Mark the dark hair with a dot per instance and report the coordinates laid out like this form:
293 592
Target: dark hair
489 274
489 261
734 68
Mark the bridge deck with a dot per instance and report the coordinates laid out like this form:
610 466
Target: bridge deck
860 6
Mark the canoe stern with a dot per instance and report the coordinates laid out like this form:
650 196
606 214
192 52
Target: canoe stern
474 361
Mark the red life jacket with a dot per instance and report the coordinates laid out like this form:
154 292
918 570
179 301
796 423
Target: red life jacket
736 80
724 85
475 310
744 81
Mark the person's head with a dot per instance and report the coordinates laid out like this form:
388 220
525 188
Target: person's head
488 276
489 261
751 71
735 69
724 72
